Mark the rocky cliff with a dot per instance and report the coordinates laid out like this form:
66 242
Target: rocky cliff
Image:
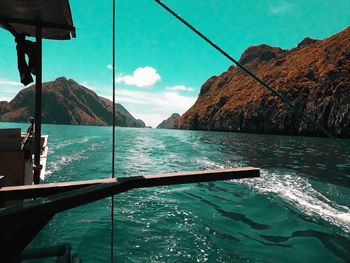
169 123
315 76
66 102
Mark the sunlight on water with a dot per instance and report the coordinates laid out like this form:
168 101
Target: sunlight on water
298 192
300 203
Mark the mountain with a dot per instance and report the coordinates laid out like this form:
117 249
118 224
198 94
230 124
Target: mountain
169 123
66 102
315 76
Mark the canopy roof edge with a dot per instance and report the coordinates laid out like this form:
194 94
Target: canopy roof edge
52 16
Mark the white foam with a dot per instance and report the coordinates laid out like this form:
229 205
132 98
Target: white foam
299 192
57 165
69 142
208 164
176 190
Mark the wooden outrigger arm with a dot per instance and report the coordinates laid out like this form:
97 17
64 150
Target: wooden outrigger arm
20 224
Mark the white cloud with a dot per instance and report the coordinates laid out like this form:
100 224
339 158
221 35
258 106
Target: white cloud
179 88
141 77
86 85
150 119
9 89
109 66
172 101
9 83
280 9
153 107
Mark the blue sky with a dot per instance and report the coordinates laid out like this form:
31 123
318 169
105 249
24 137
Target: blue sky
160 63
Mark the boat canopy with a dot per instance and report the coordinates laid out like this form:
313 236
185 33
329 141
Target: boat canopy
42 19
23 17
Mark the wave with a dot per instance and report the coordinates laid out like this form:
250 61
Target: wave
65 143
56 166
298 192
295 190
208 164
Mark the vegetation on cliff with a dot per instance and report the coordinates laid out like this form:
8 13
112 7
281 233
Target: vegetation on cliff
314 76
66 102
169 123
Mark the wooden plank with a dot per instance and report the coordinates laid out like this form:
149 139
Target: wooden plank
29 213
190 177
14 239
89 193
12 167
10 140
43 24
43 190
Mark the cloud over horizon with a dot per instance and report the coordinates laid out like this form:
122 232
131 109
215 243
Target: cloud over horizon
9 89
179 88
149 105
153 107
141 77
280 9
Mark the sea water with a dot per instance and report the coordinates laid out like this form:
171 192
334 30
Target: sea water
297 211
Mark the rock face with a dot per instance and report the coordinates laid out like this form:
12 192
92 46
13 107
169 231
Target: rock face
169 123
66 102
315 76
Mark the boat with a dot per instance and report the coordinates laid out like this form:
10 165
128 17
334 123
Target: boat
17 156
28 206
38 19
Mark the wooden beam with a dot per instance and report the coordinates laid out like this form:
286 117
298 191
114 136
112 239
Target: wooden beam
25 215
8 27
2 180
191 177
14 239
38 103
90 191
43 190
41 24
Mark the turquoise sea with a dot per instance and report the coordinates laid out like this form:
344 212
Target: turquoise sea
297 211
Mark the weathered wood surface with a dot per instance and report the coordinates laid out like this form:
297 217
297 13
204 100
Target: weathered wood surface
26 220
43 190
12 167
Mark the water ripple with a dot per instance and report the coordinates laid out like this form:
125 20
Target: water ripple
299 192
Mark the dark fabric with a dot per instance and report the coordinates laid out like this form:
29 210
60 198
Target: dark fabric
26 47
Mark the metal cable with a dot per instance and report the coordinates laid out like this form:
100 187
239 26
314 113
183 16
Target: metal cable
300 112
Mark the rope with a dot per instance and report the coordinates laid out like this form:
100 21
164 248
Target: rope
113 128
252 75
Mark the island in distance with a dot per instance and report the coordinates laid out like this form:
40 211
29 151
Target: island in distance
169 123
66 102
314 76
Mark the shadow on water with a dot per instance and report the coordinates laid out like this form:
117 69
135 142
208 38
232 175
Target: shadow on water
340 247
236 217
265 243
315 157
215 188
232 215
215 232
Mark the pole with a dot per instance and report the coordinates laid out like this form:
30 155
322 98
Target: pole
113 125
38 95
